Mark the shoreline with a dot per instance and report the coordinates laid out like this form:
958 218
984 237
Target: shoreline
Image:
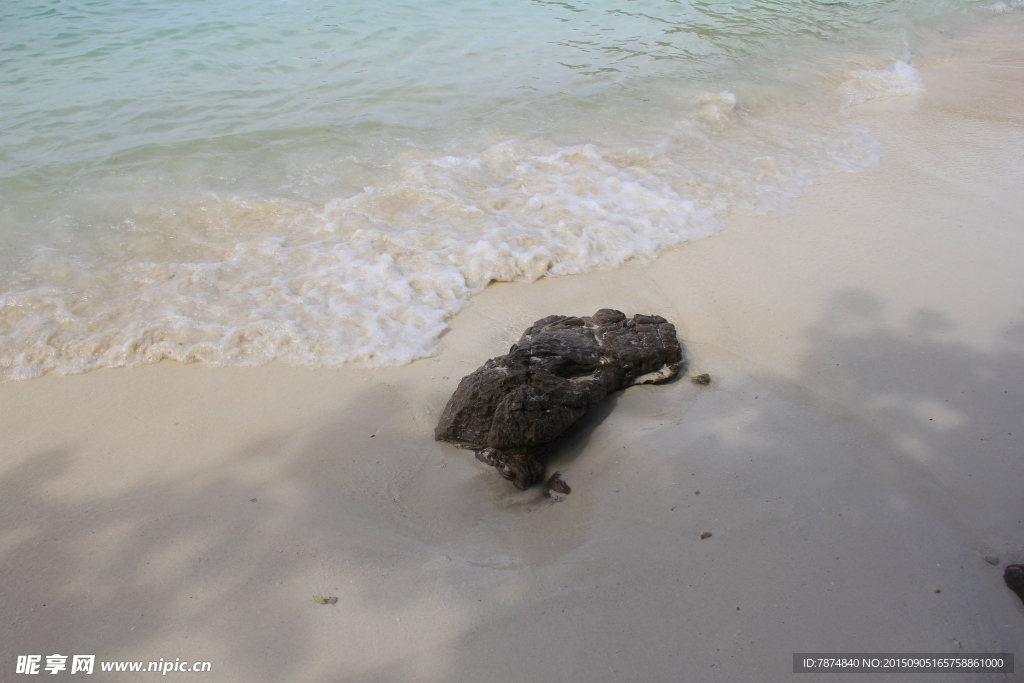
857 457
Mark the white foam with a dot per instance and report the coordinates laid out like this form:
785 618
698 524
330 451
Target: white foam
371 279
1001 7
885 84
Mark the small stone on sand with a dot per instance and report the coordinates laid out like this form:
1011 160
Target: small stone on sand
557 484
706 534
1014 578
703 380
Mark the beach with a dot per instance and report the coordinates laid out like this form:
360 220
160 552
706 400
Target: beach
856 458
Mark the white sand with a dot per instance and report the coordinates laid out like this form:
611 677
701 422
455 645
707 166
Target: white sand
860 447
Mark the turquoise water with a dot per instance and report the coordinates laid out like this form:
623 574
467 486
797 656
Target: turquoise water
325 184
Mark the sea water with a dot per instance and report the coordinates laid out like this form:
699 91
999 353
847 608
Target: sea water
327 183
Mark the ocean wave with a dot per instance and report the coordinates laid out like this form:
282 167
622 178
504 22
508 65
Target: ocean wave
1010 6
901 80
371 279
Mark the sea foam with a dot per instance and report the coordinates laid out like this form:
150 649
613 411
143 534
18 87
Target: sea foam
882 84
371 279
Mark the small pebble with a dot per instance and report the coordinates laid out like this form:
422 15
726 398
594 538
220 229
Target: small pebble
706 534
1014 578
324 601
557 484
696 493
938 590
703 380
992 559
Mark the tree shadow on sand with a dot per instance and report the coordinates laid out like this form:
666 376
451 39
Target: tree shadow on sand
895 450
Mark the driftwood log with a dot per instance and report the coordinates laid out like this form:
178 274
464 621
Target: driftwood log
515 406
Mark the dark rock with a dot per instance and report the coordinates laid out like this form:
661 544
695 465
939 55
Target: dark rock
557 484
512 408
702 380
1014 578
